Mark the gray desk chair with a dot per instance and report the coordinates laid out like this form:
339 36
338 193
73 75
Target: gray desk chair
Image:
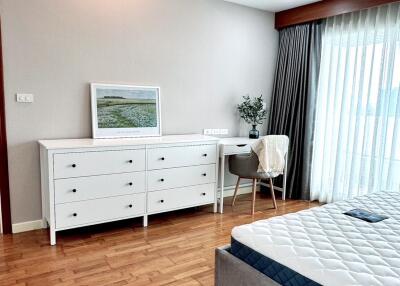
245 167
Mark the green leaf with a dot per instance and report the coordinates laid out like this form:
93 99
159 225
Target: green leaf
251 110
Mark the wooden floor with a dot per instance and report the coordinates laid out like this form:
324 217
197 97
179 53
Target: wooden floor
176 249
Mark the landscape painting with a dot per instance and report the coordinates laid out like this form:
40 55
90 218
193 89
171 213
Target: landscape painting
123 110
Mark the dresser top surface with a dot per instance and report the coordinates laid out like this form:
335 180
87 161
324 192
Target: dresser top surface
93 143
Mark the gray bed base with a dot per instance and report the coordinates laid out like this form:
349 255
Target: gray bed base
231 271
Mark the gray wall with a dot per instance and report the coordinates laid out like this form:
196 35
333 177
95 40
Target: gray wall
204 54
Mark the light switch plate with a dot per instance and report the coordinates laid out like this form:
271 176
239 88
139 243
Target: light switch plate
25 97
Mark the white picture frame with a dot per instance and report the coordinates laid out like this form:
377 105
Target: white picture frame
122 110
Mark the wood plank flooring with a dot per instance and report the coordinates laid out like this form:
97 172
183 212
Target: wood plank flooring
176 249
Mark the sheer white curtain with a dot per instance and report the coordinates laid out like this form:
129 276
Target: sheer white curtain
356 148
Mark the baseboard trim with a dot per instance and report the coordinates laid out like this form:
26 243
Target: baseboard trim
26 226
243 189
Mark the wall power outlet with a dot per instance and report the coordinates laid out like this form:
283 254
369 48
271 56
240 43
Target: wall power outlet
216 131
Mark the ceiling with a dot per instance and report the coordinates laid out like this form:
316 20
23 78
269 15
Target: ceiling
273 5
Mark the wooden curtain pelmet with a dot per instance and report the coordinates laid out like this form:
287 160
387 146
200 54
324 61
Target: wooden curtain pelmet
323 9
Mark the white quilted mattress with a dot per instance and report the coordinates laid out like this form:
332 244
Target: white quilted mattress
331 248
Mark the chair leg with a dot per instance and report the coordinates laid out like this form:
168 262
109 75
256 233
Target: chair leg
236 190
272 193
253 202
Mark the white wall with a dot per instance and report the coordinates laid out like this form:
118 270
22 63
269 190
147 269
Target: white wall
204 54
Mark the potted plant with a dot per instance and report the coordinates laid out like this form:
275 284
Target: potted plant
253 112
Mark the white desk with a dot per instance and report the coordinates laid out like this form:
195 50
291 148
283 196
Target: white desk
234 146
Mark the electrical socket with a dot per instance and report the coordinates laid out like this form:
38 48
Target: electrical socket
215 131
224 131
207 131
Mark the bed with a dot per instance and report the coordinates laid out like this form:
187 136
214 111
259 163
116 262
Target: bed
318 246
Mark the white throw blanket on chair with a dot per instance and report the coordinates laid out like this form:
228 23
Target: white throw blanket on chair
271 151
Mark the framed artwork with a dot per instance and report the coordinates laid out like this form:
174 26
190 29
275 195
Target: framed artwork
125 110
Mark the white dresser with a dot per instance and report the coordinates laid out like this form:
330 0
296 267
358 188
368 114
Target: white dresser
91 181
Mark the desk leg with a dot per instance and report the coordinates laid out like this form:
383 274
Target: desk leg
222 182
284 180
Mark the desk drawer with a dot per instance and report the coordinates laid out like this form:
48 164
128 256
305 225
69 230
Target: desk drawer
236 149
171 157
166 200
85 188
180 177
99 210
98 163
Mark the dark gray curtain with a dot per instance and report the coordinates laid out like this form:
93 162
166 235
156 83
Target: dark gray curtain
293 100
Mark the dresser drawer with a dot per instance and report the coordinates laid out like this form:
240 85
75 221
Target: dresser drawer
93 187
99 210
165 200
171 157
98 163
180 177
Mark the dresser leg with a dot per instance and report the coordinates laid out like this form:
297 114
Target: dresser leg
52 237
145 221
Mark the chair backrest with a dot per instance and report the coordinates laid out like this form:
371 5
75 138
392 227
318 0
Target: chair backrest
247 165
283 139
272 152
243 165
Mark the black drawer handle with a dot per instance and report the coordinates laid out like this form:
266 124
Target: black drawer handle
162 158
203 194
131 206
74 190
73 165
75 214
161 180
204 155
161 201
130 184
130 161
204 174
